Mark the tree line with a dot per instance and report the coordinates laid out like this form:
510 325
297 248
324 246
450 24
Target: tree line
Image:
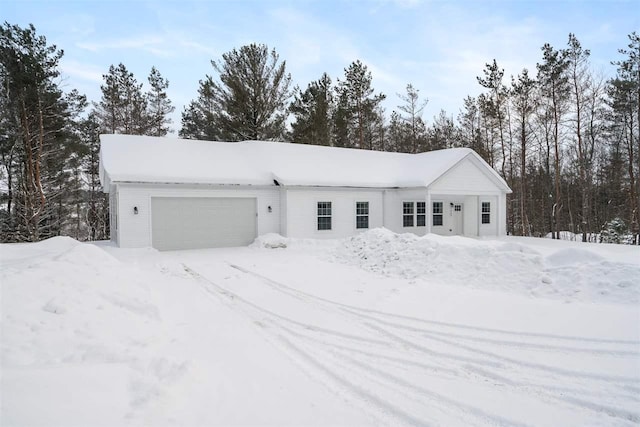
565 138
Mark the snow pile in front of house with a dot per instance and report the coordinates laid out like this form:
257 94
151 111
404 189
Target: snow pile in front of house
477 263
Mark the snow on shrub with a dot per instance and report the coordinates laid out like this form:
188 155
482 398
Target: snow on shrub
613 232
270 240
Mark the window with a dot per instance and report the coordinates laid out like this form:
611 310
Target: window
414 213
437 213
421 217
457 208
362 214
407 214
486 212
324 215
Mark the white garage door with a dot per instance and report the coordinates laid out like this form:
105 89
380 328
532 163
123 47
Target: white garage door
197 222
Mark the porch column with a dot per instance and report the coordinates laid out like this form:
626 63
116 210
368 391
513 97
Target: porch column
427 211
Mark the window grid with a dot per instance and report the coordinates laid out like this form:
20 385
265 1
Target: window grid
324 215
421 216
362 214
486 212
414 213
407 214
437 213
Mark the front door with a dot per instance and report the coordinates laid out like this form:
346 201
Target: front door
457 220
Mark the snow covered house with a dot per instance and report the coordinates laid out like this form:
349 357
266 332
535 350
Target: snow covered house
170 193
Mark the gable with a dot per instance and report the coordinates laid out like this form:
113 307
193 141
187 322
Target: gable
468 175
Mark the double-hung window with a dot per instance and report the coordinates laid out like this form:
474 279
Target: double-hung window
407 214
486 212
437 213
324 215
421 214
414 213
362 214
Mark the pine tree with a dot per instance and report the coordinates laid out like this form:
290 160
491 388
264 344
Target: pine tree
357 107
159 105
123 107
624 92
97 203
495 103
523 98
312 111
555 88
247 100
35 139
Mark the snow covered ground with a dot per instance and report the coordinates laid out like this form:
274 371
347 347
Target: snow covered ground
379 329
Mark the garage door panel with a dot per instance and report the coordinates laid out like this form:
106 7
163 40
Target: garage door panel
202 222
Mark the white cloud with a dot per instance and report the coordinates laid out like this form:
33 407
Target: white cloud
78 70
154 44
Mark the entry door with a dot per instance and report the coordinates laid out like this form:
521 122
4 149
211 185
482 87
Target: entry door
457 219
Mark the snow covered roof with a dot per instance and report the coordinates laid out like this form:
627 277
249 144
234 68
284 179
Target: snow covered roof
128 158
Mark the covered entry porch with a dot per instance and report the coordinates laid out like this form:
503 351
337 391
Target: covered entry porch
466 214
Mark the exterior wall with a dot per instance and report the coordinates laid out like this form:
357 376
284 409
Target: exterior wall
301 211
283 211
134 230
393 200
113 215
469 176
294 209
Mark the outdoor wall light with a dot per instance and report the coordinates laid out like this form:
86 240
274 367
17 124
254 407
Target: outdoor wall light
135 210
269 209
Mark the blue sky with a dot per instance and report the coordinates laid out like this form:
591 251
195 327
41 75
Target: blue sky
438 46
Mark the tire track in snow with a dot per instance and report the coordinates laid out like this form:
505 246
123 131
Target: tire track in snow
521 386
306 296
503 342
415 392
345 382
361 393
586 404
332 306
559 393
234 296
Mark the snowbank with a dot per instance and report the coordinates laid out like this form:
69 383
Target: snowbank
570 274
77 324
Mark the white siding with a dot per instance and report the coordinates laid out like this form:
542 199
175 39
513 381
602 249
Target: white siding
283 211
393 200
135 229
471 219
467 177
113 215
301 205
490 229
